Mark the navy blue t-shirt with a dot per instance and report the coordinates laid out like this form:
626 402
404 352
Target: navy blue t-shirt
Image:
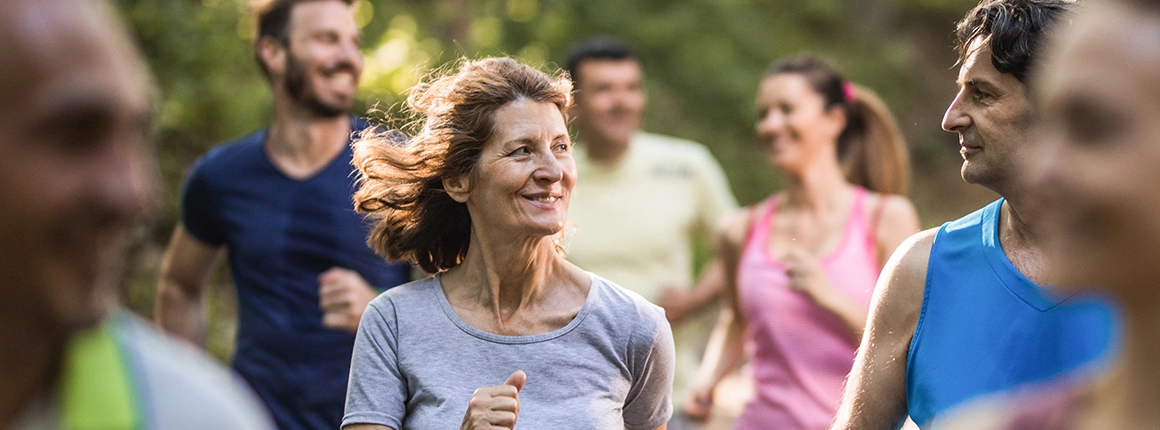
281 233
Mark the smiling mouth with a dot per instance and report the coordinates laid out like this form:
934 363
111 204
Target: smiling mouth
546 199
342 78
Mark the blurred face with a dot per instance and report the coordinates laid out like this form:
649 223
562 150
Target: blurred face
323 62
609 100
991 114
1099 166
525 173
75 169
793 125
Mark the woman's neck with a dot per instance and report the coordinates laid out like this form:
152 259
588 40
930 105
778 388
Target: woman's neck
820 187
506 275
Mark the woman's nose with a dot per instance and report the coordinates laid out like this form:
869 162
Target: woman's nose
548 168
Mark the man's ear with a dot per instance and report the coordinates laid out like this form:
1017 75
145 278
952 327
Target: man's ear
273 54
458 187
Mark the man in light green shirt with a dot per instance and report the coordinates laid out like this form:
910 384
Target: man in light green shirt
641 199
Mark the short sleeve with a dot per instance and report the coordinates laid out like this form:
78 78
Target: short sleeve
649 401
198 215
377 392
714 199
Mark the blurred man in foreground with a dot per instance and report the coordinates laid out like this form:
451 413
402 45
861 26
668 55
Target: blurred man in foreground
75 174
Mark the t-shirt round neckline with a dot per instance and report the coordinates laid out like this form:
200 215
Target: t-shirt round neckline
513 340
356 124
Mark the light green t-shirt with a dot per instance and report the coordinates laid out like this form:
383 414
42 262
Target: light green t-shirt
635 222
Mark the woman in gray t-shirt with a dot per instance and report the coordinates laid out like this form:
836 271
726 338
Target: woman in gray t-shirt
508 331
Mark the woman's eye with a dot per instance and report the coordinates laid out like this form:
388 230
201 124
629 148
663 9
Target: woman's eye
562 146
523 150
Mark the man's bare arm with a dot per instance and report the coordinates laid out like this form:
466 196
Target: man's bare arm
725 352
185 270
875 394
680 304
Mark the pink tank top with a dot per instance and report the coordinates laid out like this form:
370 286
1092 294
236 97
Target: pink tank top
800 353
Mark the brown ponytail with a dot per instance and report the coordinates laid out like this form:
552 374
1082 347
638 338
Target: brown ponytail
875 153
871 148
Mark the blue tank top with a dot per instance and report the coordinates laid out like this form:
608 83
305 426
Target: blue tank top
984 327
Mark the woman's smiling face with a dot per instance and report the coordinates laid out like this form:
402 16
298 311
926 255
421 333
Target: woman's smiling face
794 126
525 174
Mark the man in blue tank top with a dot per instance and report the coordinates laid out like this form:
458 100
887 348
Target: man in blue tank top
279 201
962 310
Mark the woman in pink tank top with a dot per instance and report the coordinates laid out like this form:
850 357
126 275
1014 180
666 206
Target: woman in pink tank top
806 259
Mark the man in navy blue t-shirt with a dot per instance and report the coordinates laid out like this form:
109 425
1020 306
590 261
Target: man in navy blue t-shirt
279 201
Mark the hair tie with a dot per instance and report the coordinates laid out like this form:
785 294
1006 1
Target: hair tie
848 92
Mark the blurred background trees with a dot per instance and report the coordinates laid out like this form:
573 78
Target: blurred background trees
703 60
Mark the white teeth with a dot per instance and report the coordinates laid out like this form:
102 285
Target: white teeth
545 199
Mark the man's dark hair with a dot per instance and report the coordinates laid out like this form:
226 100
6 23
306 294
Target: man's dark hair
597 48
272 19
1015 28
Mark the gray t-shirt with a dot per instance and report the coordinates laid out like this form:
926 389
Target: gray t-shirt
416 364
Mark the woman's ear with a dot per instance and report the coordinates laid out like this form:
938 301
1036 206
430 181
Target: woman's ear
837 117
458 187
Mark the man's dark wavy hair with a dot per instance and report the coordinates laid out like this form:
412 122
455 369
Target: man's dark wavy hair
1015 29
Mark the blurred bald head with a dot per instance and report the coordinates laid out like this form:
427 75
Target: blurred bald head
38 35
75 165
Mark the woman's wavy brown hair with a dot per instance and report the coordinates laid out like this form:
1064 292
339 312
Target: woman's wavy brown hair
401 180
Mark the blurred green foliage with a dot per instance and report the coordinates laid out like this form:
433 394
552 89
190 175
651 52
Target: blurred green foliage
703 60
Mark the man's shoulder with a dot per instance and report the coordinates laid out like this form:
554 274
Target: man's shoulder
183 386
913 254
902 284
974 219
671 156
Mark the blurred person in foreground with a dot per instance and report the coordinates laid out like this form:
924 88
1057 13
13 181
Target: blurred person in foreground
278 202
804 262
1098 166
76 173
643 199
963 309
507 328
